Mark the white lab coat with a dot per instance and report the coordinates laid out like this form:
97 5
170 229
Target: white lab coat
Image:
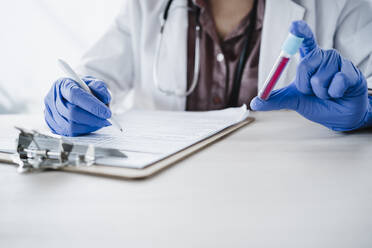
124 56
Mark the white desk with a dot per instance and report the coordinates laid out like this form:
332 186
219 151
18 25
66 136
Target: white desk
281 182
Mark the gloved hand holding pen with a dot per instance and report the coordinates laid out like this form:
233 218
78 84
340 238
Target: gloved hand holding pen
71 111
328 89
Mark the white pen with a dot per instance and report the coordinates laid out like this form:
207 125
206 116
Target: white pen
73 75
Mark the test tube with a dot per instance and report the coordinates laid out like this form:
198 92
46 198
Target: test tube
289 48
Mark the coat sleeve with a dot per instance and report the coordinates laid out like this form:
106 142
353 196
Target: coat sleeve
111 57
353 37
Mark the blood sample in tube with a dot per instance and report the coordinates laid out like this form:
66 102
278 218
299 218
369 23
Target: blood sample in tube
289 48
274 77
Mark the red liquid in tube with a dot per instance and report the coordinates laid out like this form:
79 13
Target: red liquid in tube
290 47
274 77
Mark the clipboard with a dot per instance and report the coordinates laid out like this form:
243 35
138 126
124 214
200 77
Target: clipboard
152 169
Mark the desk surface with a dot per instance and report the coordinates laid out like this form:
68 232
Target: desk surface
280 182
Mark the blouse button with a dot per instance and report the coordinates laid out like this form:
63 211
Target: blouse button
220 57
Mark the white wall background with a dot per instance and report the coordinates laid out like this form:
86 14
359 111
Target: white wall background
33 34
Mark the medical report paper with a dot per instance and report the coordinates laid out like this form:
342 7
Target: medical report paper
148 137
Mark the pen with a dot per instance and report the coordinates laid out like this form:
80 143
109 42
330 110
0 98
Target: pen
73 75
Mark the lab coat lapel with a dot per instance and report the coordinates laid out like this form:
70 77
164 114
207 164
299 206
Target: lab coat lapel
278 17
173 67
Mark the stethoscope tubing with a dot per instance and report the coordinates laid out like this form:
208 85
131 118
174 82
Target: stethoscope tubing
179 93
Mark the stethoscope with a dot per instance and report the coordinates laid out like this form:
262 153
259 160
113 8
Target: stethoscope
238 72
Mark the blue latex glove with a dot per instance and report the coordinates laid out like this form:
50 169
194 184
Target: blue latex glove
328 89
71 111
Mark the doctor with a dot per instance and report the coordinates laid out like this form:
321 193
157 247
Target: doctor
213 54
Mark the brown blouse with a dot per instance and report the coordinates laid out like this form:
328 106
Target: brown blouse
219 60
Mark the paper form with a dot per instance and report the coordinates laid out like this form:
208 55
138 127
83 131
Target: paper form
150 136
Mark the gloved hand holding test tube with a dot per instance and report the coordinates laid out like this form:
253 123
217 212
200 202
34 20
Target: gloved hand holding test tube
328 88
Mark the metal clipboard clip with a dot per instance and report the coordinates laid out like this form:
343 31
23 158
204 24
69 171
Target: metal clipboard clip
38 152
